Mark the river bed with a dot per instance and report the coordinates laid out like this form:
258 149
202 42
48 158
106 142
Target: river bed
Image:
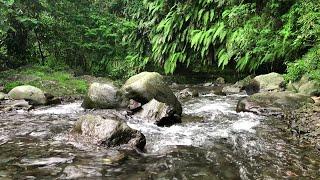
213 142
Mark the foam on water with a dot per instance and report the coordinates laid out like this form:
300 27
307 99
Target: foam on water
221 121
60 109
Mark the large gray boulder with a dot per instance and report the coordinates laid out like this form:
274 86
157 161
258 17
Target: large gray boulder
272 103
146 86
270 82
30 93
108 131
158 113
103 96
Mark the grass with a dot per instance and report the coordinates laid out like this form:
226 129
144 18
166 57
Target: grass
56 82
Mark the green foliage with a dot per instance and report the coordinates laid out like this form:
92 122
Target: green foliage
221 33
308 65
85 35
53 81
119 38
11 85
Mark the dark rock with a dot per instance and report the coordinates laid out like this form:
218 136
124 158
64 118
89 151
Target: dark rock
108 131
252 88
159 113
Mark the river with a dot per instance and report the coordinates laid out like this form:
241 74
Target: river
213 142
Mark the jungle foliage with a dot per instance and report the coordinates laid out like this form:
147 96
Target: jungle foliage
243 34
86 35
121 37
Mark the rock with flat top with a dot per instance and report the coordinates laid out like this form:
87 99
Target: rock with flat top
108 132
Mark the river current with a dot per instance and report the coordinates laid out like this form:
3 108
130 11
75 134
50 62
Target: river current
213 142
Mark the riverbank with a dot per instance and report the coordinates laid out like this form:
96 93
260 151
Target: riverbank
60 82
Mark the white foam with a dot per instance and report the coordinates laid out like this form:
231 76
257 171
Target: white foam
60 109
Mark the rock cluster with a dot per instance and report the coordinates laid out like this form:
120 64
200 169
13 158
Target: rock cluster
147 94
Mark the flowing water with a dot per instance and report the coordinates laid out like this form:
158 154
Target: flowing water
213 142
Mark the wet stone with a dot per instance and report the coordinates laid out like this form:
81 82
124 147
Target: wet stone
80 171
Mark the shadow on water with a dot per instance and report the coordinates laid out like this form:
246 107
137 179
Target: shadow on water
213 142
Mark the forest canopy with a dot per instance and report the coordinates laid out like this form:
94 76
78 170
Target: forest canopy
121 37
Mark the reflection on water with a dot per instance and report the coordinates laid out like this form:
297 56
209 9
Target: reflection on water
213 142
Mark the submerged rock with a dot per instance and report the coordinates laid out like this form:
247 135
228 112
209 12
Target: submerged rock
270 82
272 103
146 86
159 113
103 96
108 131
30 93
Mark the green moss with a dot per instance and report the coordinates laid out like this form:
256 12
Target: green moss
55 82
11 85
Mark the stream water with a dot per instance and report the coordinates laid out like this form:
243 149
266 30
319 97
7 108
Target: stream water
213 142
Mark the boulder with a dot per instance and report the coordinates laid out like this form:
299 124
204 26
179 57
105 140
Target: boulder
108 131
146 86
158 113
270 82
220 80
30 93
188 93
252 88
272 103
103 96
237 87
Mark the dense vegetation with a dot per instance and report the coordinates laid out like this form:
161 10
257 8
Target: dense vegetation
120 37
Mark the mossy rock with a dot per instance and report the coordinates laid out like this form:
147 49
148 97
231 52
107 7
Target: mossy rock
146 86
